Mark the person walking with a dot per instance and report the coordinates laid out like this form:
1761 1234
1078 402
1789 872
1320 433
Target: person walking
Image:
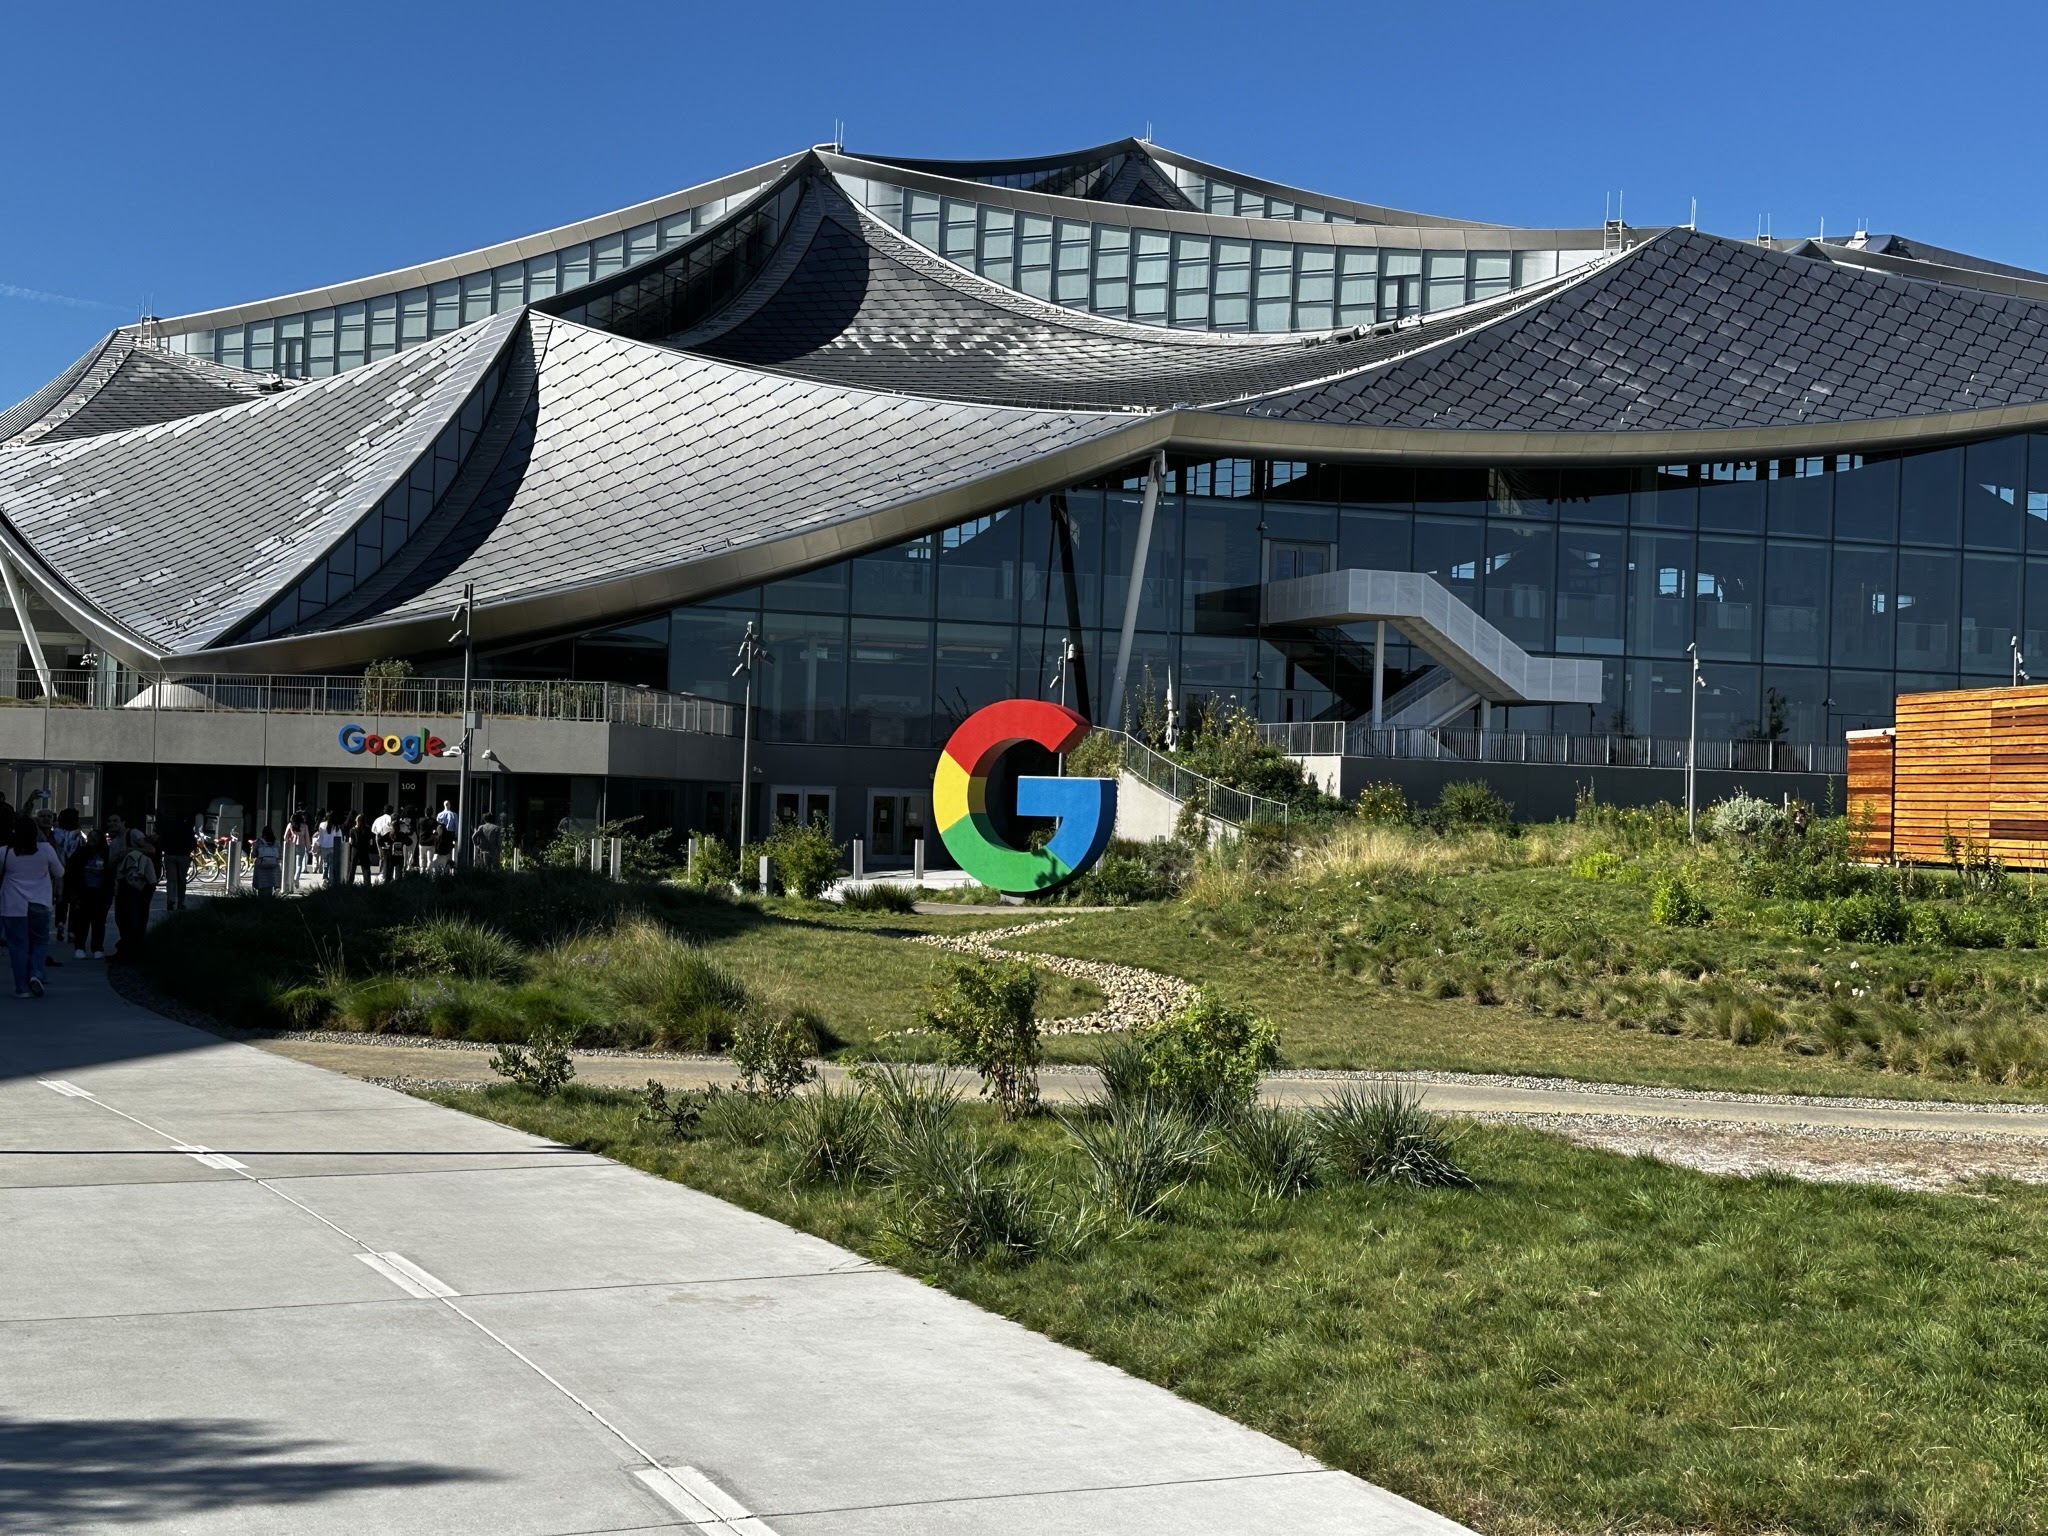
486 842
135 878
266 864
178 842
362 845
88 890
298 842
329 843
67 839
443 847
30 877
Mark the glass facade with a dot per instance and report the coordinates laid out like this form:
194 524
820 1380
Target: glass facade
1201 282
1815 589
1213 196
327 341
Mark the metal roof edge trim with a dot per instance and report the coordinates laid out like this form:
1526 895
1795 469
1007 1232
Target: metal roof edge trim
480 259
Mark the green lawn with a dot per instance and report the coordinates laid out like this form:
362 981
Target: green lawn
1583 1343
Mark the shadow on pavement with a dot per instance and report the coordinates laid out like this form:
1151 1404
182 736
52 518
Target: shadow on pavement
60 1474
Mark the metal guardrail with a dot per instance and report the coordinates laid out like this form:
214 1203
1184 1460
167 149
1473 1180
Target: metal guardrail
493 698
1351 738
1183 784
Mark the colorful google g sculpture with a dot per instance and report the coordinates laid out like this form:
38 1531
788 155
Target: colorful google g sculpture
1086 808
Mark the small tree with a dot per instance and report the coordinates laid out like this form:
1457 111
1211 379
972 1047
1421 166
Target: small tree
384 685
774 1054
542 1066
987 1011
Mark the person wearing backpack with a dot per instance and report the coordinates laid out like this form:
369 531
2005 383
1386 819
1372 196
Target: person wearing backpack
135 877
443 837
266 864
88 891
31 874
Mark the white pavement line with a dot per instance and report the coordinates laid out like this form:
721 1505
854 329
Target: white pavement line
206 1157
58 1085
408 1276
702 1502
381 1263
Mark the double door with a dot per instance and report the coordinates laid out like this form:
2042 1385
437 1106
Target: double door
372 794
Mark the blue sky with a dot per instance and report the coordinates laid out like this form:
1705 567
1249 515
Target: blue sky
184 157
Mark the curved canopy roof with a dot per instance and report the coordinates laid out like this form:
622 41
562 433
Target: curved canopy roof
801 381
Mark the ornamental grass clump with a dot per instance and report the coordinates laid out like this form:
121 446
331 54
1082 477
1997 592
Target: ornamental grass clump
1276 1152
456 946
1381 1134
828 1135
916 1114
962 1202
1140 1155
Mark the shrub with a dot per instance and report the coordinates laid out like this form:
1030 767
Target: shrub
985 1009
1131 872
678 1115
1099 756
1382 805
1601 864
1473 805
642 856
1872 917
1207 1059
1381 1134
1139 1155
456 946
1677 902
829 1135
542 1065
716 865
773 1054
1277 1152
805 857
878 898
1744 819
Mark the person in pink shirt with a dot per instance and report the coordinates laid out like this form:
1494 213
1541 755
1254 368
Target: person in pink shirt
30 876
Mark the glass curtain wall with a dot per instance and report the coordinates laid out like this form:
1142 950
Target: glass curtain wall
1814 588
1217 283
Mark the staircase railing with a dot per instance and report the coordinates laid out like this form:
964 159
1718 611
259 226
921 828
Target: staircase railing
1238 807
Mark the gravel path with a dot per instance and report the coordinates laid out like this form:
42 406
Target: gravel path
1132 998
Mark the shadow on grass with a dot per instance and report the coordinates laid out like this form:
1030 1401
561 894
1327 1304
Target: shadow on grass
67 1474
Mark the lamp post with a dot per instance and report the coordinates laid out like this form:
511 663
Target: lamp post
1692 740
462 828
2019 664
751 654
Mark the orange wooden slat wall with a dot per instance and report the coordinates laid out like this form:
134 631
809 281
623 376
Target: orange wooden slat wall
1870 794
1966 766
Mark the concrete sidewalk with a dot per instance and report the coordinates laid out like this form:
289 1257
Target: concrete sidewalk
241 1294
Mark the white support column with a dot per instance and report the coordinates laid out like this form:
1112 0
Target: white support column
1379 671
1135 588
19 603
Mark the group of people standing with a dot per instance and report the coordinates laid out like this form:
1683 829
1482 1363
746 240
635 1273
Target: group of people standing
399 842
56 876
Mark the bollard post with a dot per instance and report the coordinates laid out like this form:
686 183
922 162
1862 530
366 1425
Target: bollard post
515 858
618 858
859 862
764 874
234 866
917 862
690 857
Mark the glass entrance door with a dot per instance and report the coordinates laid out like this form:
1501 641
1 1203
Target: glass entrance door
801 804
895 822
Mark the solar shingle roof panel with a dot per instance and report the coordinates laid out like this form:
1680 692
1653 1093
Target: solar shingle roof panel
1692 331
854 302
178 530
644 458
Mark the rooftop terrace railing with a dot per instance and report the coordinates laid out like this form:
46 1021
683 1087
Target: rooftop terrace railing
492 698
1352 738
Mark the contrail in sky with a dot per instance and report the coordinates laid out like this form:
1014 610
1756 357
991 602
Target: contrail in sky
38 296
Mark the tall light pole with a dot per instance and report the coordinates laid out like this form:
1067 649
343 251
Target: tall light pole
1692 740
751 654
2019 664
466 635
